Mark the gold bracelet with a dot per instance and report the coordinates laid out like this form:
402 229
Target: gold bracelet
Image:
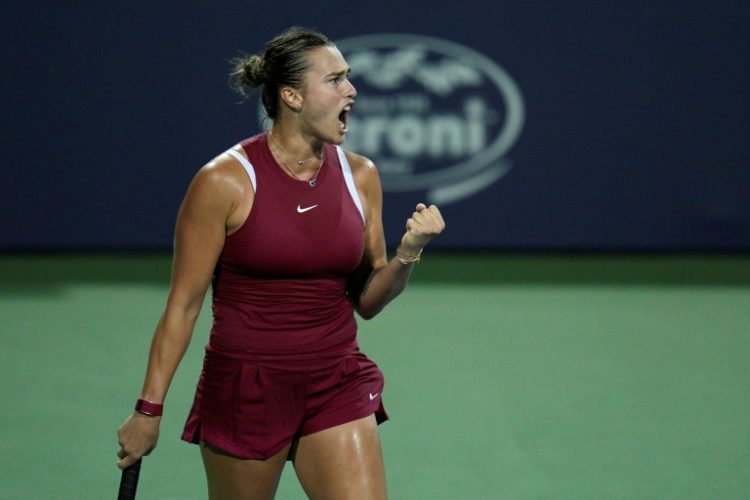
407 259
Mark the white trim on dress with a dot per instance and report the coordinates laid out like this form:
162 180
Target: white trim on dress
248 167
349 179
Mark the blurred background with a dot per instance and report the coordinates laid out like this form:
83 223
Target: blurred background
584 321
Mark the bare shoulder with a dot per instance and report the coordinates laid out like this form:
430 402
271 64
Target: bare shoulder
222 177
220 193
364 171
367 181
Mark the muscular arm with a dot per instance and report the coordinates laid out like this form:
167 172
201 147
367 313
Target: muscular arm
377 281
372 288
202 224
199 238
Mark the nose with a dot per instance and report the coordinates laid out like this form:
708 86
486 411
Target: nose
351 91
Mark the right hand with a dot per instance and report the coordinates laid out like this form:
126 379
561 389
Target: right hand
137 436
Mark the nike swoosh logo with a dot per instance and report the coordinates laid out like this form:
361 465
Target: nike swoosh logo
373 396
301 210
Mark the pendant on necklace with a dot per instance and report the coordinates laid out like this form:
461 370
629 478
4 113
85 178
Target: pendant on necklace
311 182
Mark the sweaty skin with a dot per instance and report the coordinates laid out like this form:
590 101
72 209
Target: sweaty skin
344 461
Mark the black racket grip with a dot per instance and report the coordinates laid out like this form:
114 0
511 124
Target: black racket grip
129 481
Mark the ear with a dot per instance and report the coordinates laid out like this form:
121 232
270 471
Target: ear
292 98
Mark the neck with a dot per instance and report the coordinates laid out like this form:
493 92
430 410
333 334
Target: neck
294 145
301 169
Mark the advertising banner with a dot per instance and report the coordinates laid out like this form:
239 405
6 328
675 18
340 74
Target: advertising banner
577 125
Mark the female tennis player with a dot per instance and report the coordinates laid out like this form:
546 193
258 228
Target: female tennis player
286 226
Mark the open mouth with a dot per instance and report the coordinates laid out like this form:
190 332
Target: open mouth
344 118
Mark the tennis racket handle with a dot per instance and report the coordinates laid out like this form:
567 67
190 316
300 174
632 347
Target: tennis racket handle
129 481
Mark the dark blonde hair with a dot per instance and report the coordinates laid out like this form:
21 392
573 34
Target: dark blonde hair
283 63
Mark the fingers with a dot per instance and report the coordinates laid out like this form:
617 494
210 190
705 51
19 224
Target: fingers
426 220
137 438
423 225
127 462
435 213
129 458
125 459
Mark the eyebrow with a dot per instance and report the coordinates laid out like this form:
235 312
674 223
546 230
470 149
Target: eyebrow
339 73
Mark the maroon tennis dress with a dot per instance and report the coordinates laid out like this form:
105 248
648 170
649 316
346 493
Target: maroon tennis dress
282 360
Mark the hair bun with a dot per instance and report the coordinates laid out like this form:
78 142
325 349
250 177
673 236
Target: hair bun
248 73
255 70
283 63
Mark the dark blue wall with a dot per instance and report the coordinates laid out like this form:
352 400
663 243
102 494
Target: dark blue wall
635 117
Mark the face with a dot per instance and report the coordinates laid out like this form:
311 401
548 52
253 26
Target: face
327 96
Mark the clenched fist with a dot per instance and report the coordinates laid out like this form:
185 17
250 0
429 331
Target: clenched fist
423 225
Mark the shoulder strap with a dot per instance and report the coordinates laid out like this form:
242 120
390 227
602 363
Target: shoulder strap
349 179
248 167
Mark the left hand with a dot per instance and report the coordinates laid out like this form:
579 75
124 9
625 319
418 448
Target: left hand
423 225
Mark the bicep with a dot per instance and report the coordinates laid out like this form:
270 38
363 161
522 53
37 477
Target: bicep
200 232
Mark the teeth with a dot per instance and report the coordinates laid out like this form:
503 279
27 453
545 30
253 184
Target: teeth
342 118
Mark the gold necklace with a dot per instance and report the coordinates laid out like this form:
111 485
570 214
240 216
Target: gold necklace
314 179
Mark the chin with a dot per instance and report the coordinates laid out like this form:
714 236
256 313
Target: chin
338 138
335 136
